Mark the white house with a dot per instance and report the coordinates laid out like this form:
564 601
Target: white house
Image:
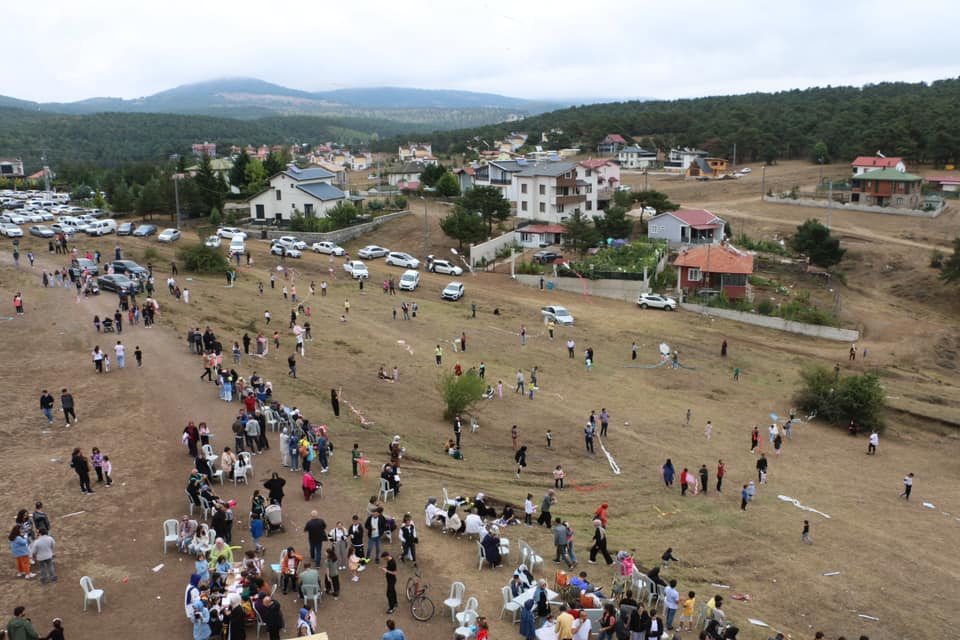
605 174
414 151
11 168
404 174
309 191
862 164
686 226
499 174
551 192
681 159
635 157
541 235
360 161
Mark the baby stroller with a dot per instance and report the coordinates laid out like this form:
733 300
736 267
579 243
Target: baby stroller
107 325
273 518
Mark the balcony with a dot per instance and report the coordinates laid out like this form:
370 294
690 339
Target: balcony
565 200
500 181
566 182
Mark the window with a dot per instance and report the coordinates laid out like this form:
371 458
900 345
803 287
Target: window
589 173
260 212
694 275
589 205
279 195
543 207
559 208
308 210
543 189
523 187
523 205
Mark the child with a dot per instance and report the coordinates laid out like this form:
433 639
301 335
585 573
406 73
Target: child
805 535
708 430
106 363
97 461
108 470
528 510
549 439
276 339
483 632
558 476
223 566
139 356
57 632
530 389
236 353
353 562
96 323
256 530
689 606
202 568
500 389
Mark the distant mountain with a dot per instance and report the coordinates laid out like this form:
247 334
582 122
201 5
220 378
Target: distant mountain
248 98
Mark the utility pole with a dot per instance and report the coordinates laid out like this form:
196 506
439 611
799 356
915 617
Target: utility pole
176 195
830 205
734 155
426 230
763 181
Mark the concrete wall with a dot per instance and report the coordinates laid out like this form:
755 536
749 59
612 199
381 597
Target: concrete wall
340 235
915 213
628 290
489 248
817 331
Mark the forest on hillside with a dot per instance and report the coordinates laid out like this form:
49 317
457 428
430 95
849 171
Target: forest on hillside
918 121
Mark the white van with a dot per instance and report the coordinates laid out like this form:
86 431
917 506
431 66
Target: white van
409 280
101 227
237 245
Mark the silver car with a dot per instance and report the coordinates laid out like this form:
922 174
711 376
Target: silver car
656 301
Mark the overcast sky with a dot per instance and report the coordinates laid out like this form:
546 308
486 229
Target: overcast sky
64 51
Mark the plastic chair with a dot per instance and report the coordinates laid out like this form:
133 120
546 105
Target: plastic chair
171 533
509 605
312 592
205 508
470 609
240 473
208 453
447 502
272 420
190 501
215 472
528 555
483 556
457 590
466 620
386 491
91 593
260 623
247 459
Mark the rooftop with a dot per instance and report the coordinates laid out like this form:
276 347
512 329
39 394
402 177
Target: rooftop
543 228
711 258
548 169
890 175
876 162
693 217
322 191
310 173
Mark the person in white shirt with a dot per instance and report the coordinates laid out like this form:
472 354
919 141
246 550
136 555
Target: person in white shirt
581 627
874 441
474 524
42 551
672 602
121 354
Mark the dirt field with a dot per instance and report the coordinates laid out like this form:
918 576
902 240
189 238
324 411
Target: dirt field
890 554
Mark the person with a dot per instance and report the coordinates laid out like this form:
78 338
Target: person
316 530
704 478
392 632
491 547
390 574
289 567
754 439
57 632
668 472
558 476
520 457
46 406
20 627
20 549
81 467
275 486
42 550
563 629
560 542
66 403
376 526
744 497
272 617
671 603
721 472
761 467
599 543
549 498
687 615
874 441
805 534
907 486
408 539
582 627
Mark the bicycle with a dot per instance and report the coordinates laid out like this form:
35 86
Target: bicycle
421 607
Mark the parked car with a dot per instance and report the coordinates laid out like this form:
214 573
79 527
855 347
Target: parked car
213 242
145 230
453 291
169 235
356 269
372 251
237 245
46 216
33 216
410 280
558 314
101 227
41 231
65 229
546 257
746 170
125 229
400 259
119 283
329 248
231 232
290 242
13 218
10 230
447 267
656 301
284 251
81 265
129 268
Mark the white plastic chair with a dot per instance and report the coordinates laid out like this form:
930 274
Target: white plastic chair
386 491
457 590
240 471
190 501
260 623
466 620
216 473
205 508
171 533
471 609
447 502
509 605
90 593
312 592
273 421
246 458
529 556
208 453
483 556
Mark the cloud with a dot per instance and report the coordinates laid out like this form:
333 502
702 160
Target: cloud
535 49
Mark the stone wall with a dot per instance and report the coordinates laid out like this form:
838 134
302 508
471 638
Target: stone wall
770 322
256 232
627 290
915 213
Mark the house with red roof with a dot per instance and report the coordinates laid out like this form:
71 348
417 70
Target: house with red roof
949 183
862 164
686 226
541 235
720 267
611 144
605 174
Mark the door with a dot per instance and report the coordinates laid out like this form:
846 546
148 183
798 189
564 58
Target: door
260 212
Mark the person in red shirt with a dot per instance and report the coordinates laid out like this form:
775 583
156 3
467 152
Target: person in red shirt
721 471
250 402
684 480
601 514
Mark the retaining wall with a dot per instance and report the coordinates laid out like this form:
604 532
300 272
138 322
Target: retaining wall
255 232
915 213
489 248
628 290
815 330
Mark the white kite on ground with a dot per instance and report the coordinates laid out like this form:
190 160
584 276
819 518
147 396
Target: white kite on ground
797 504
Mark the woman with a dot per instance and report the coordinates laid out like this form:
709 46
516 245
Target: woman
203 431
185 532
341 544
257 503
303 625
483 510
540 599
527 621
190 437
20 549
335 402
454 522
491 547
601 514
608 622
191 595
668 472
201 622
275 487
309 485
520 457
434 514
228 460
200 542
252 563
235 617
81 466
284 447
221 549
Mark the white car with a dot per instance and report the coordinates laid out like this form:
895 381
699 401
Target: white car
409 280
33 216
65 229
231 232
746 170
213 242
284 251
447 267
10 230
328 248
372 251
453 291
290 242
401 259
14 218
169 235
558 314
356 269
654 301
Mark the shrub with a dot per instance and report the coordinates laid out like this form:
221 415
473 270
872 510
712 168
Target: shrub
150 254
765 307
839 400
400 202
936 259
459 393
376 205
200 259
215 217
529 268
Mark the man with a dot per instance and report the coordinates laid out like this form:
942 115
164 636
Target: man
721 471
375 525
563 629
66 402
316 530
42 551
520 383
292 363
604 422
672 602
588 432
392 632
20 627
121 352
907 486
457 428
269 610
309 577
874 441
238 430
560 542
704 478
548 499
251 430
46 405
761 467
684 481
390 573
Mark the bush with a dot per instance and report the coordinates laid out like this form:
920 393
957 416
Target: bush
400 202
376 205
529 268
200 259
765 307
839 400
936 259
459 393
215 218
150 254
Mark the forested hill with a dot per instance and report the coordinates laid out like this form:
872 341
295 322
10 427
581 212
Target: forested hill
110 139
920 122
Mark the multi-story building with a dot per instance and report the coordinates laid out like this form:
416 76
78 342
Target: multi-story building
635 157
309 191
204 148
888 188
551 192
11 168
